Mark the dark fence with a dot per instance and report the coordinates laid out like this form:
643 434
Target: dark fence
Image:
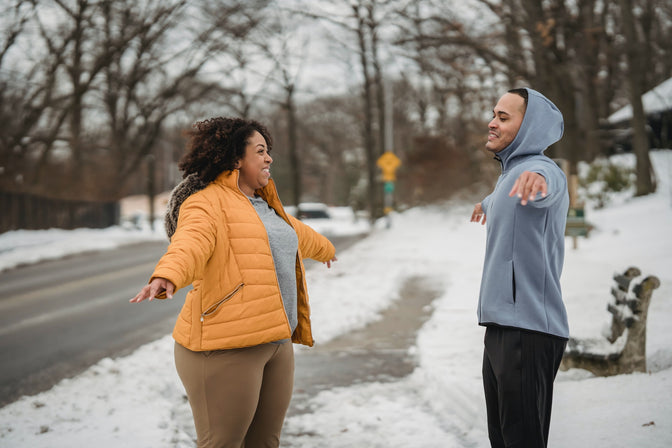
27 211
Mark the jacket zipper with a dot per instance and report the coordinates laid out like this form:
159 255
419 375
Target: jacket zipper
215 306
501 162
282 303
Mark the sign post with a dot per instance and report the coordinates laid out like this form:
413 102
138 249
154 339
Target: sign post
388 163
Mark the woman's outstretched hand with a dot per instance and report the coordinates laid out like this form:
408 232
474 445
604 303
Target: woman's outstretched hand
154 288
328 262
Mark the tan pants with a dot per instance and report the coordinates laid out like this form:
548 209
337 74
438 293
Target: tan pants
238 397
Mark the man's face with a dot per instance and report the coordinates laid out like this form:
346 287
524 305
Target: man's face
507 117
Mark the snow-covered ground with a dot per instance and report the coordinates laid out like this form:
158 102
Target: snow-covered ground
22 247
138 401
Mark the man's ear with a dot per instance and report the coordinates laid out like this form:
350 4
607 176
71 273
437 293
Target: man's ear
236 166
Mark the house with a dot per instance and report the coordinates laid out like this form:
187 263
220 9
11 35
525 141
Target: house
657 104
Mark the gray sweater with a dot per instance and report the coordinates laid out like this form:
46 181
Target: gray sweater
525 245
284 247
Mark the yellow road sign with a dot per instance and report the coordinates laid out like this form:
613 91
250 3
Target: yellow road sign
388 163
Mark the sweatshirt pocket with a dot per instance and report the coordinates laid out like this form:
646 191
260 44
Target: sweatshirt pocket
502 286
513 282
215 306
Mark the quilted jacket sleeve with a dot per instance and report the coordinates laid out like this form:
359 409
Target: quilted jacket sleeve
192 244
312 244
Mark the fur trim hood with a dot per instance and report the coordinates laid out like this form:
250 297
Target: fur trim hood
189 185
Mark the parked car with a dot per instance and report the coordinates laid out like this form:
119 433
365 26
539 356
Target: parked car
313 210
329 221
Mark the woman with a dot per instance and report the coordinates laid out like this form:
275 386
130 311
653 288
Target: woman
243 255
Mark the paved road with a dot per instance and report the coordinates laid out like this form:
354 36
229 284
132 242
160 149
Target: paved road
59 317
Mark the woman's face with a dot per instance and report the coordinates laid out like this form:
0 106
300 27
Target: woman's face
255 166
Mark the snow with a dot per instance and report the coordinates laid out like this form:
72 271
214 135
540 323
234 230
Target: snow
658 99
342 220
138 400
21 247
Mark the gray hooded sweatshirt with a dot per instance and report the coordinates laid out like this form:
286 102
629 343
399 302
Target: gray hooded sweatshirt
525 245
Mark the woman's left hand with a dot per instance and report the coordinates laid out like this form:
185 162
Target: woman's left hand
330 261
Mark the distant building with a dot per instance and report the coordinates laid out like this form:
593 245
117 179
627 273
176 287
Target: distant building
657 104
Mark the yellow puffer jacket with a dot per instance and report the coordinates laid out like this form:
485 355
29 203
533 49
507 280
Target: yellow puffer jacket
221 247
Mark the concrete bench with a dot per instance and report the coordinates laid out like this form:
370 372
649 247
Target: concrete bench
623 350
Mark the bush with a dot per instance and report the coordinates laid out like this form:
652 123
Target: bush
604 180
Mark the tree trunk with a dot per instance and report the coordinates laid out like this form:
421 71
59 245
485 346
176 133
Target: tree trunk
635 74
378 73
151 187
369 146
380 97
295 161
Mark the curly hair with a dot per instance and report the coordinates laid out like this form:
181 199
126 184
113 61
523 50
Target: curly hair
216 144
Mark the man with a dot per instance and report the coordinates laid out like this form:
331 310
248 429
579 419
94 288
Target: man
520 302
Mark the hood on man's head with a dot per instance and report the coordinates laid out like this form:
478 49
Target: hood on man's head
542 126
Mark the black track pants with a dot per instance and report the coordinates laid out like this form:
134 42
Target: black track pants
519 368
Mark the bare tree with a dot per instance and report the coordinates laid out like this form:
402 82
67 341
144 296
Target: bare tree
569 50
360 30
13 19
281 45
74 54
361 20
146 84
635 55
374 23
140 88
105 77
233 69
336 161
518 41
28 99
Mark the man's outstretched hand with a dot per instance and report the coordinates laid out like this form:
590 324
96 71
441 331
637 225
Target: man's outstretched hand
527 186
478 214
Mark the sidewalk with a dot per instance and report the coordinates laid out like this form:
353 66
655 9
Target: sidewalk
380 352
